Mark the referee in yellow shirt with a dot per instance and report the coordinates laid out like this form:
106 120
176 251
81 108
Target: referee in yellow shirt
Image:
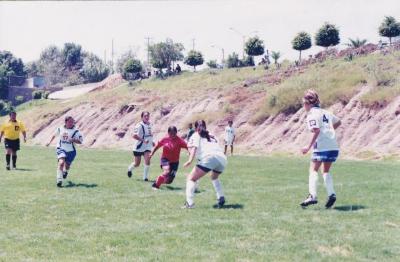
11 130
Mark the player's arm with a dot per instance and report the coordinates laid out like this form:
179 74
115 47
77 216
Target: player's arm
1 135
24 134
315 132
192 151
51 140
156 148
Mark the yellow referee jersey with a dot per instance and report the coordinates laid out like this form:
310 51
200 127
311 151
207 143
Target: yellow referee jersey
12 129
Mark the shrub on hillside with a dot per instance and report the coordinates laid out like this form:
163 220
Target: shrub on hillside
212 64
37 94
233 60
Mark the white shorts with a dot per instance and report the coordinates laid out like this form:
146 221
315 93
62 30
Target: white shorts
229 142
214 163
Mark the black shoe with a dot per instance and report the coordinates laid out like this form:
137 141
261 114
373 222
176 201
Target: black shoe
221 202
154 186
310 200
146 179
59 184
14 167
187 206
65 174
331 201
8 167
129 174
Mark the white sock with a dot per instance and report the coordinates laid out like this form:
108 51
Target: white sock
190 185
146 171
218 188
312 183
328 181
59 175
131 166
197 185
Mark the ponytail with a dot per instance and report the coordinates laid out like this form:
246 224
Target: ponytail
201 128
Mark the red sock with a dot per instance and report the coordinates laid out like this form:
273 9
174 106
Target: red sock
160 180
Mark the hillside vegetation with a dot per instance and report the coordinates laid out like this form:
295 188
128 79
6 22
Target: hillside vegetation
261 102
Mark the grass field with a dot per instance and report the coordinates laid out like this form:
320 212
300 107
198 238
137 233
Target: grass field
101 215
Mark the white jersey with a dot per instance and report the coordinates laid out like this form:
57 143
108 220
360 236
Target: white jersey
324 120
143 131
229 133
205 148
64 138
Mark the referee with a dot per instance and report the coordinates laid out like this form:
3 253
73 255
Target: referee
11 130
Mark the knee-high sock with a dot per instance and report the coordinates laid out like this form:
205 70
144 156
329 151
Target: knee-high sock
218 188
59 175
160 180
146 171
190 185
8 157
312 183
14 160
328 181
197 185
131 166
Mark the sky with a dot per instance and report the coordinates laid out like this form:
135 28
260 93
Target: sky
26 28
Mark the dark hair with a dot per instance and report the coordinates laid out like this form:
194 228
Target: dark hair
144 113
172 129
12 112
230 122
67 118
201 128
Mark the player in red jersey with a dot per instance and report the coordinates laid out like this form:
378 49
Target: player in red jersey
172 145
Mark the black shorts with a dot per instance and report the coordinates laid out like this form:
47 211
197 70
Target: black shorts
12 144
135 153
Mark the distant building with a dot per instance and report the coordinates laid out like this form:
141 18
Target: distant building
23 87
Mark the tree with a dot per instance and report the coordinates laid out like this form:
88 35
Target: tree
51 65
9 66
233 60
71 54
275 56
356 43
130 54
389 28
327 35
212 64
247 61
93 70
194 58
254 47
132 68
163 54
302 41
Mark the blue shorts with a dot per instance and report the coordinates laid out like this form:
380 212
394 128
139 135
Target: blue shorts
325 156
69 156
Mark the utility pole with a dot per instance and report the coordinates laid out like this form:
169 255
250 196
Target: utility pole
193 41
243 37
148 52
105 57
112 56
223 54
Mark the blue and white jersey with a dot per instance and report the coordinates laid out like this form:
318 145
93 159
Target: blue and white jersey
65 136
143 131
324 120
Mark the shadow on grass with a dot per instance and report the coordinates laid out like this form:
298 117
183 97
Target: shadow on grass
25 169
229 206
72 184
349 208
173 188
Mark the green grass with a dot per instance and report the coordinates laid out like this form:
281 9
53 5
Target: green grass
104 216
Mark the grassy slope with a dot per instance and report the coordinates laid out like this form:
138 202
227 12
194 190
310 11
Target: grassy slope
104 216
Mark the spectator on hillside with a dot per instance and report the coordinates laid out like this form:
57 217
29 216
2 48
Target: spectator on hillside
178 69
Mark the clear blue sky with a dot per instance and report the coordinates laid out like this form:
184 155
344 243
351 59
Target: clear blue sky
28 27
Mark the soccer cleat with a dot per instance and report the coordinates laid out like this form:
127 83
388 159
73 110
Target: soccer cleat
59 184
129 174
187 206
65 174
310 200
221 202
146 179
154 186
8 167
14 167
331 200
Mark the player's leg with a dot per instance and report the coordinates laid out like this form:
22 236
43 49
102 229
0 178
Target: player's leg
225 148
8 157
196 173
14 150
312 184
232 149
328 181
162 179
60 168
146 167
137 156
66 170
218 188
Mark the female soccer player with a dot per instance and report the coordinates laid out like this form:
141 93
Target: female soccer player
142 145
68 136
172 145
325 147
210 157
229 136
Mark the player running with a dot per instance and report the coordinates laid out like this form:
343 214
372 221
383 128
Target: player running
229 136
325 147
172 145
11 130
142 145
68 136
210 157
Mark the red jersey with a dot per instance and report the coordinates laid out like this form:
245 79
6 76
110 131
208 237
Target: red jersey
171 148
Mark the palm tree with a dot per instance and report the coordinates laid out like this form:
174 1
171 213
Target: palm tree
356 43
275 56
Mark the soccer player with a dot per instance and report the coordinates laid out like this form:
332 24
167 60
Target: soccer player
142 145
229 136
172 145
210 157
190 131
322 124
68 135
11 130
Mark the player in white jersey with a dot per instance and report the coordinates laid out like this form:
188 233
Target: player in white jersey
229 137
210 157
325 147
67 135
142 146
